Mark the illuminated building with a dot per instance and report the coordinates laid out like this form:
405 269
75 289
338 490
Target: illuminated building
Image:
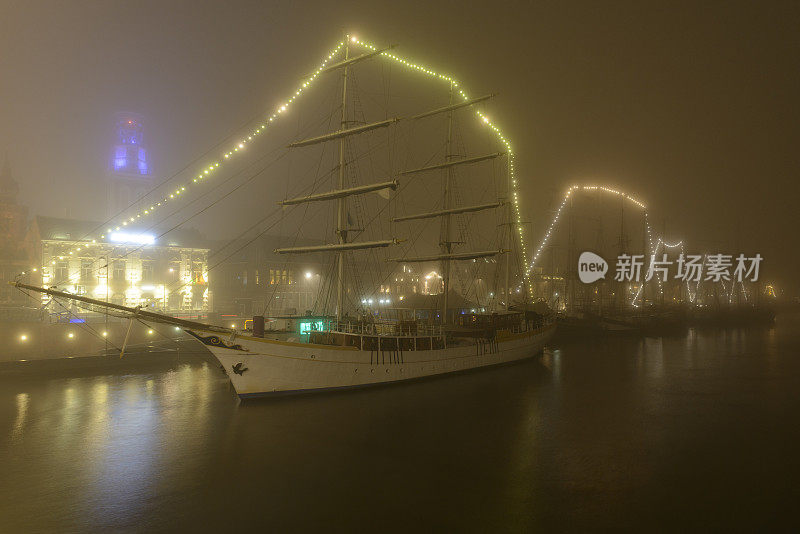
123 266
131 176
255 280
129 268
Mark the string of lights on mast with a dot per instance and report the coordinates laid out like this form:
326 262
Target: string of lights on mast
239 146
653 247
557 216
482 118
551 227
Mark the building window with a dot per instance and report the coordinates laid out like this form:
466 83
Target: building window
272 276
119 270
62 272
174 271
87 270
147 271
197 272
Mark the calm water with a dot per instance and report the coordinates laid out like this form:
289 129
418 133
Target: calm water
699 432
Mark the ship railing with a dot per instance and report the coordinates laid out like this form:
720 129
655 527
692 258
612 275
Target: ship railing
384 328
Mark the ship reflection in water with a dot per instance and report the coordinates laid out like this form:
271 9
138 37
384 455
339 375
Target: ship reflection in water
696 431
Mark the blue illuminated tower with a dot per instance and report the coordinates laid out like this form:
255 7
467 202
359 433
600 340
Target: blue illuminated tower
131 178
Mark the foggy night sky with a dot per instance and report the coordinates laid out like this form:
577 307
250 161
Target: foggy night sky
692 107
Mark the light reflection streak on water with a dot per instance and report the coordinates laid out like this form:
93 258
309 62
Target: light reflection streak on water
22 412
150 420
551 358
651 352
68 425
691 339
127 460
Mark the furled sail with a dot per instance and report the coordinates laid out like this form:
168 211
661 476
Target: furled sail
453 107
453 163
451 211
452 256
340 193
337 247
344 133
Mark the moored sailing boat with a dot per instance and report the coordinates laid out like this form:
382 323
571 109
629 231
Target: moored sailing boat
372 347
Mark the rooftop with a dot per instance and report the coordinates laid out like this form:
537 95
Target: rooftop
56 229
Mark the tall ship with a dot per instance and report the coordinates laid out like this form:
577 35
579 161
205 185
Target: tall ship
393 177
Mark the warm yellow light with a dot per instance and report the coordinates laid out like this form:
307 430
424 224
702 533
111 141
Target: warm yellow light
149 331
105 334
70 335
23 337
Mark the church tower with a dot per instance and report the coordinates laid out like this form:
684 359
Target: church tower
131 177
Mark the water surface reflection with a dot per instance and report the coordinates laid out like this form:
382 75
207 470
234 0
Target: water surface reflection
696 431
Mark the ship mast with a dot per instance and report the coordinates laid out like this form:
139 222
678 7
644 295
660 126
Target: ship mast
510 233
341 205
445 244
446 255
342 245
340 194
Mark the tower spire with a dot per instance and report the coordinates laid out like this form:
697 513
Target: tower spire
130 173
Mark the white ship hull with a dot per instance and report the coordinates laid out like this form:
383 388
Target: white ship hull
258 366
